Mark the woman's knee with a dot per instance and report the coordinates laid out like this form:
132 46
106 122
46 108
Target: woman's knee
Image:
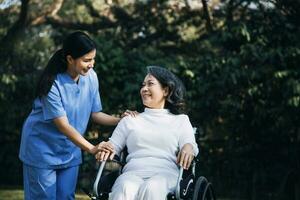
153 189
125 187
153 185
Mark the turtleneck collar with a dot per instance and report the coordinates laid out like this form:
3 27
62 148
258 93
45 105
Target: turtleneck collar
156 111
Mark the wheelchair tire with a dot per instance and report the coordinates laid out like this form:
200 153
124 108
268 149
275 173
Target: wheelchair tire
203 190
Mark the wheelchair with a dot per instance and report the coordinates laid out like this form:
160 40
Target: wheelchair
188 187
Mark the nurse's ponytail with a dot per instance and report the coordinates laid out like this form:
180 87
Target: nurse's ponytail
56 64
76 45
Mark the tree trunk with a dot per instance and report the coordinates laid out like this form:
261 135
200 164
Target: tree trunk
18 27
207 16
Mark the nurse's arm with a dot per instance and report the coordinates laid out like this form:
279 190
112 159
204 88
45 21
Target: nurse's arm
62 123
104 119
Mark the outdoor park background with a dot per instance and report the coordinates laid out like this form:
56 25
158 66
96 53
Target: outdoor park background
238 59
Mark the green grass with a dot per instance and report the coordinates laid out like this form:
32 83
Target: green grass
17 194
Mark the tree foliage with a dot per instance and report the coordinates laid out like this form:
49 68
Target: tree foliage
238 59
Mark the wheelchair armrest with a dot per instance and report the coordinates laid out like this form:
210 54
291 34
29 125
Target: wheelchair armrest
177 191
100 170
191 171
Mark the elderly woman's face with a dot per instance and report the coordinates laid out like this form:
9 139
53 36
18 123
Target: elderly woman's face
152 93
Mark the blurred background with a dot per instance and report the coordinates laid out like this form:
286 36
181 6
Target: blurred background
238 60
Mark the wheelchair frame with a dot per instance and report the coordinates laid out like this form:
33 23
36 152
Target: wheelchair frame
201 189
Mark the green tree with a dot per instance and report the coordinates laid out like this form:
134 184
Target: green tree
238 59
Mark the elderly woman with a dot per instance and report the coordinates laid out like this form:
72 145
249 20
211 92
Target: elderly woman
157 140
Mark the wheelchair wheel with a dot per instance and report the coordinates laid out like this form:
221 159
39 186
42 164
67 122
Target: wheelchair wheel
203 190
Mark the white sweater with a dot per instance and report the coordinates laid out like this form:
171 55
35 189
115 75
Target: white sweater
153 139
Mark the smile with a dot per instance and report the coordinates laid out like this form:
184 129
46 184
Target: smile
146 95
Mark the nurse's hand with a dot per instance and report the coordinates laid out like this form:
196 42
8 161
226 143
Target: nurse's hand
130 113
185 156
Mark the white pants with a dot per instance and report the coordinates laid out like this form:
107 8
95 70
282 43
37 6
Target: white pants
129 186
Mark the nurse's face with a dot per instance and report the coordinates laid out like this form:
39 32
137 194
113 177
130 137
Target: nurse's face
81 65
152 93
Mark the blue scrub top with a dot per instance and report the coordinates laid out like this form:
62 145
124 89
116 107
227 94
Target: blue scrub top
42 145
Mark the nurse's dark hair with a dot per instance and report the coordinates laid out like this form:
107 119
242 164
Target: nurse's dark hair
76 45
175 101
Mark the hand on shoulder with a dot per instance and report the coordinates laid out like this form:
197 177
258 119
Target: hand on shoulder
130 113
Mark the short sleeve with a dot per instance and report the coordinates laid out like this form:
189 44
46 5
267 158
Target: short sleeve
96 104
119 136
187 134
52 104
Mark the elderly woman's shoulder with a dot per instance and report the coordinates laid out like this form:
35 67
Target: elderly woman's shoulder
183 116
129 119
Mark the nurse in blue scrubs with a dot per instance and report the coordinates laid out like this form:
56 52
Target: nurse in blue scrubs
67 96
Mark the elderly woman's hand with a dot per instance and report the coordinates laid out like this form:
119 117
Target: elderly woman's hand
185 156
105 150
